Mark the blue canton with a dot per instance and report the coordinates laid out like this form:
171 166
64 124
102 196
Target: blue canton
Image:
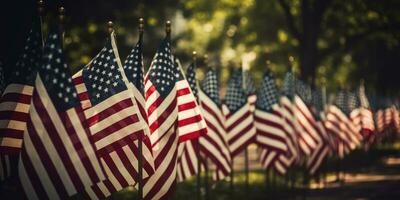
56 75
191 78
288 85
133 66
102 76
210 86
163 72
304 92
352 101
267 94
235 97
341 101
29 61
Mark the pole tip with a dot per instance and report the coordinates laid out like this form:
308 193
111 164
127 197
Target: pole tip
61 14
40 7
110 27
168 27
194 56
205 57
291 59
141 25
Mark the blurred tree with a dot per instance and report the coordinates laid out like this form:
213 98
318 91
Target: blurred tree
340 41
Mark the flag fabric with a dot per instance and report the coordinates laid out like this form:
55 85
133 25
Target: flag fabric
213 145
161 105
339 124
308 135
271 137
57 158
15 101
190 123
240 130
285 161
323 149
362 116
113 119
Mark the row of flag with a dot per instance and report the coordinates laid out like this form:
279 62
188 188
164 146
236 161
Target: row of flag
113 125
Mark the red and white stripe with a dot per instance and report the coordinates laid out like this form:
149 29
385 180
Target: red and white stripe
188 159
285 161
14 109
340 125
115 128
308 136
271 136
14 113
58 158
214 144
363 120
118 122
191 125
162 118
379 121
321 152
240 129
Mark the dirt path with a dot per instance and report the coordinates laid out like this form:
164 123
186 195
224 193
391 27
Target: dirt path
378 182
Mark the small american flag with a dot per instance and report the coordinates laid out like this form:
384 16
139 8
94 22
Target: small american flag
162 110
239 119
271 137
113 119
191 124
57 158
323 149
339 124
285 161
15 100
214 144
307 130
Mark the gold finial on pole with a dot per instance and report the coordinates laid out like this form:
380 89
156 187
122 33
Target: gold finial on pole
40 7
61 15
168 27
141 25
205 58
110 27
194 58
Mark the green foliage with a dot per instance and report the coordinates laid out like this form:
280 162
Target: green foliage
348 35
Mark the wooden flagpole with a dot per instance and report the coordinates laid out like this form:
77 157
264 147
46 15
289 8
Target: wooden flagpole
140 141
40 5
61 18
206 169
198 176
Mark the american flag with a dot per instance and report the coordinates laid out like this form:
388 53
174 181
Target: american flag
113 119
285 161
308 135
57 158
16 99
362 116
214 144
271 137
240 130
162 110
190 123
323 148
340 125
